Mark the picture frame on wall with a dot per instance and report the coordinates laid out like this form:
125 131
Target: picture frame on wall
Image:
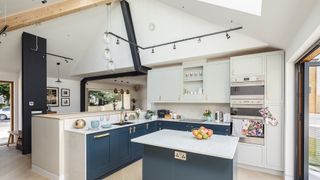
52 96
65 101
65 92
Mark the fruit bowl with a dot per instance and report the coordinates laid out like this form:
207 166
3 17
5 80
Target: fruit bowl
202 133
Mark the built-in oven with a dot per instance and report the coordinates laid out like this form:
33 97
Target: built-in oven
247 99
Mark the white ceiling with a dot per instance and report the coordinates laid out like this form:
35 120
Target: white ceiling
74 34
277 25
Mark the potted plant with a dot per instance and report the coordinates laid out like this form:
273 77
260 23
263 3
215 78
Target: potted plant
207 114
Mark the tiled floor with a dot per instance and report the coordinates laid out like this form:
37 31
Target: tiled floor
15 166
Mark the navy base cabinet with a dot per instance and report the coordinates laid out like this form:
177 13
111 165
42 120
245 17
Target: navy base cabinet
160 164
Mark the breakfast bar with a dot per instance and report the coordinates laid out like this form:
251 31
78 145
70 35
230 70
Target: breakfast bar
175 155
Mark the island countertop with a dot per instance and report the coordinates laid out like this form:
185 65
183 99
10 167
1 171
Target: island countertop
217 145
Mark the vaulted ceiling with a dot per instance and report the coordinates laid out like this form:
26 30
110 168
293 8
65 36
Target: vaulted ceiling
77 34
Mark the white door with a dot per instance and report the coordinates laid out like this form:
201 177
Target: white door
217 82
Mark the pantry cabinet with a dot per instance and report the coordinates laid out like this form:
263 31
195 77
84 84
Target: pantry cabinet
247 65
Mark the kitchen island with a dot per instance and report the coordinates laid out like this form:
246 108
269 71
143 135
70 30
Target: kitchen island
177 155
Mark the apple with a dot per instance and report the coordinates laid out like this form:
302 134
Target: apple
210 133
205 136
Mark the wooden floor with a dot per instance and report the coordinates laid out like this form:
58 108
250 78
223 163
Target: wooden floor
15 166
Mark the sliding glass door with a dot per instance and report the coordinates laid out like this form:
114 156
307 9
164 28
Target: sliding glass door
308 119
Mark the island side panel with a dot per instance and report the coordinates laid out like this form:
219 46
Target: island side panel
47 149
159 163
75 155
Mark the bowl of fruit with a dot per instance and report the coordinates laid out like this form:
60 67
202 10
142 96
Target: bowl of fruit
202 133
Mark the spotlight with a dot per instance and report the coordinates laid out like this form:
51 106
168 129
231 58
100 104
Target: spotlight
227 35
199 40
4 34
118 42
174 46
44 1
152 51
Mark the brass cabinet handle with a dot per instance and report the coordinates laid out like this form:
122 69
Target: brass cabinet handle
130 130
102 135
147 126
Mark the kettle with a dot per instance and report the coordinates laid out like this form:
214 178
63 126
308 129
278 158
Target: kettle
79 124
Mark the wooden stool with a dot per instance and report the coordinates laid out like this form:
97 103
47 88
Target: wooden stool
12 134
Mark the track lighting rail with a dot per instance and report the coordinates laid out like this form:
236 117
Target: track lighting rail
177 41
55 55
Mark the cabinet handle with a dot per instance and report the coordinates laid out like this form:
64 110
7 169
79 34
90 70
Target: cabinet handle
130 130
101 135
134 129
147 126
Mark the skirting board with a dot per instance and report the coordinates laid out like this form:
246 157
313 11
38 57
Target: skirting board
45 173
268 171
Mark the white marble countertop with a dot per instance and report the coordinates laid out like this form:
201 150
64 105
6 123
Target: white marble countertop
134 122
217 145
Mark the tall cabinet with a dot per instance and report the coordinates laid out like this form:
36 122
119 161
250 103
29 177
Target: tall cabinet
271 65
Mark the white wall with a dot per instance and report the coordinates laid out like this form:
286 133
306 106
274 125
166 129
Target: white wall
308 34
5 76
74 87
171 24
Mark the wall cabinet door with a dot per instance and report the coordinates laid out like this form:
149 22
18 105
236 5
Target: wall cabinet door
165 84
274 78
247 65
98 155
217 82
120 152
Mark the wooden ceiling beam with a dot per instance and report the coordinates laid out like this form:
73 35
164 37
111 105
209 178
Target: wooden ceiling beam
312 55
49 12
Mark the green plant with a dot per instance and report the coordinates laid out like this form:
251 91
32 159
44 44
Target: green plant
5 91
207 113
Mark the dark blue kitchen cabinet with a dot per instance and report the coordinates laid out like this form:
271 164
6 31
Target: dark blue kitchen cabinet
217 129
172 125
98 154
136 148
120 146
151 127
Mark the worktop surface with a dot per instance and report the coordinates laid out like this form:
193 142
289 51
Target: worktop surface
217 145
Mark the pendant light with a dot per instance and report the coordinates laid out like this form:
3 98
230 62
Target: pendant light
58 68
107 38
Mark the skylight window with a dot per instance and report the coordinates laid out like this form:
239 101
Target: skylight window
248 6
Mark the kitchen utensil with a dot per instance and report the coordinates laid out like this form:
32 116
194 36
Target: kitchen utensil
79 124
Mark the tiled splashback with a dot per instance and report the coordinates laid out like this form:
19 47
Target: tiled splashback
193 111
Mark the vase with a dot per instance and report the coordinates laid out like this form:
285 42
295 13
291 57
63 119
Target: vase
208 118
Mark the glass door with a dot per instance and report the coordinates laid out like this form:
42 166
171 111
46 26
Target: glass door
308 119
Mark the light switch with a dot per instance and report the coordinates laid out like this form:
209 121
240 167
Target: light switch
180 155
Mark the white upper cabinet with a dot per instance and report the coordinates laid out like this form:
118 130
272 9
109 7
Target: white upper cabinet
217 82
247 65
274 77
164 84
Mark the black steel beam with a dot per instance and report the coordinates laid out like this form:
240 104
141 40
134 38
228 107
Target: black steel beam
132 37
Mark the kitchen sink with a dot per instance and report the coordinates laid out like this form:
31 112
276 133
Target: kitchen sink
122 124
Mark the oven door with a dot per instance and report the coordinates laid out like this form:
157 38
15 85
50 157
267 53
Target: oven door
245 91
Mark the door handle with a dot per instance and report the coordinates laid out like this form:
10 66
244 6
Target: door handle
101 135
130 130
134 129
147 126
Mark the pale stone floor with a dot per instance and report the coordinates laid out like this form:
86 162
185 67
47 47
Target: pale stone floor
15 166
